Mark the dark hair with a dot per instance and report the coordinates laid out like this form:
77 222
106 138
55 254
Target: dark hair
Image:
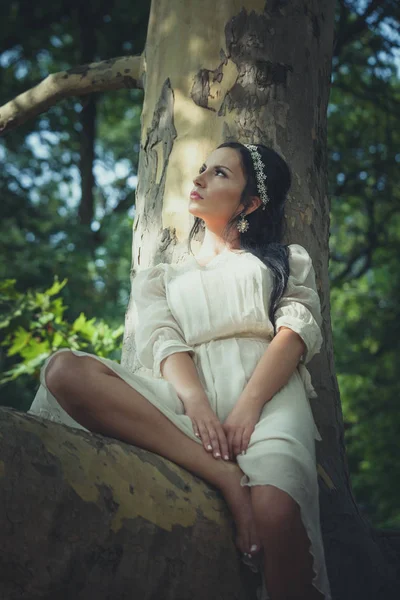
266 227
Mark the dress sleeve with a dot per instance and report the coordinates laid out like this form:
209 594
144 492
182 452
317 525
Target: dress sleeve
300 307
157 334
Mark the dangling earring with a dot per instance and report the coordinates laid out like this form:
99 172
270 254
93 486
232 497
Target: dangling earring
202 224
243 224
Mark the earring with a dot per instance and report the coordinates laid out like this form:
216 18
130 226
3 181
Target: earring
243 224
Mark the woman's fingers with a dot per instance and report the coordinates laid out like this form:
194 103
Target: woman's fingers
229 438
204 435
195 428
214 439
237 442
209 439
223 443
245 441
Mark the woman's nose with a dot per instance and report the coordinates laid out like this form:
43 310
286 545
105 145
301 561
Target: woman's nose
198 180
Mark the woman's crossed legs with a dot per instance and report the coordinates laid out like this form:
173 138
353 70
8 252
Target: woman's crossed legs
101 401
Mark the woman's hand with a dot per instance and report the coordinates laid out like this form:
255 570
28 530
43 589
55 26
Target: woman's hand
208 428
238 427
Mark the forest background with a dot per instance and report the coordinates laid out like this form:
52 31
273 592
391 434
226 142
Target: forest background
67 207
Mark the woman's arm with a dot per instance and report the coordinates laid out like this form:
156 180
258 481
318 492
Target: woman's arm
180 370
273 370
157 333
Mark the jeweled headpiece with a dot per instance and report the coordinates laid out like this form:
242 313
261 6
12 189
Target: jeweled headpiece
260 175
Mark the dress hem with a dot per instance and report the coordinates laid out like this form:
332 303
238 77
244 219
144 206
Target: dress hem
262 592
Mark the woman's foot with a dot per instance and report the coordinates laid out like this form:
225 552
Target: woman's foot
238 499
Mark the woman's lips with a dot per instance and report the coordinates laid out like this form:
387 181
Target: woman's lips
195 195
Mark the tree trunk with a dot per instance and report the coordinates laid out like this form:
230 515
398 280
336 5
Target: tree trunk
83 516
255 71
86 211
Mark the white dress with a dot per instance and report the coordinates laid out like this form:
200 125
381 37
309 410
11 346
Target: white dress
219 313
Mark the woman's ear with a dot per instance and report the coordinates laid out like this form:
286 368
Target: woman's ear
255 203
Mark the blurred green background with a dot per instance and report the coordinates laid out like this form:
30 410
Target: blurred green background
68 183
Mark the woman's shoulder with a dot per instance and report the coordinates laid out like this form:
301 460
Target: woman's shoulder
150 271
297 249
163 270
147 276
300 261
298 254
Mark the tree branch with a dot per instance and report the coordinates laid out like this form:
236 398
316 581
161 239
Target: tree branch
112 74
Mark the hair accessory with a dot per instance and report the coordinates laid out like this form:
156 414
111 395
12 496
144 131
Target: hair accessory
260 175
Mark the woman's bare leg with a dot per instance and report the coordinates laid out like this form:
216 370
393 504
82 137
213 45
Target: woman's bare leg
101 401
288 564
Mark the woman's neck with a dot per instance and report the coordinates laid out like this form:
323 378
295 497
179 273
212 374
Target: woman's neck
214 244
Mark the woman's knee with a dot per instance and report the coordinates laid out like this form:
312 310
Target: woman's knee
274 510
61 369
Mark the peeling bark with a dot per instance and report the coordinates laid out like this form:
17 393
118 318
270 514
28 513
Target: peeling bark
149 234
84 516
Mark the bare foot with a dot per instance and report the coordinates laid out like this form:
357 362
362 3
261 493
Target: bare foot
238 499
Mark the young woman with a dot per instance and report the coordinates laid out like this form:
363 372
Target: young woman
223 339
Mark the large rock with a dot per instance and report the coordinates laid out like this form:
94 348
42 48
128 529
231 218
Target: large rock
83 516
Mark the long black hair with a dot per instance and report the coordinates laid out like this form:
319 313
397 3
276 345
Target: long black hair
266 227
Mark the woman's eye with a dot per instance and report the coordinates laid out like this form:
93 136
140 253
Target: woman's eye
201 170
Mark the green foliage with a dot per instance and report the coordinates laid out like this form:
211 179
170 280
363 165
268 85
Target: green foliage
364 158
41 232
33 327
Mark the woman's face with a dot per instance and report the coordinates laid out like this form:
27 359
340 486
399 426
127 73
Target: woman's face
220 183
